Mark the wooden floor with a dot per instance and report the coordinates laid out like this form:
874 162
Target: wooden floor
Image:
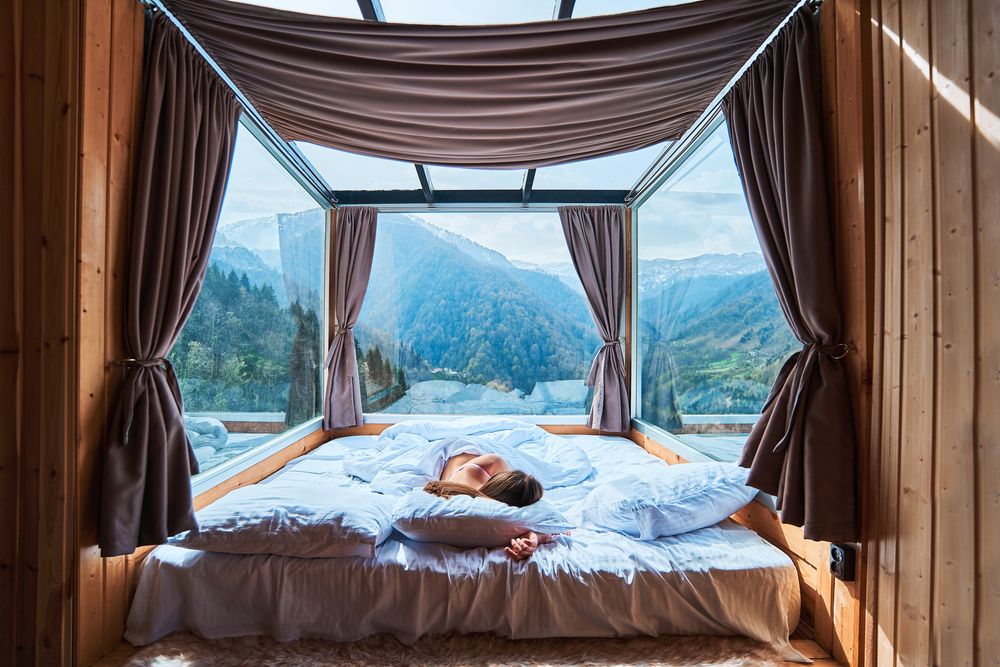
806 647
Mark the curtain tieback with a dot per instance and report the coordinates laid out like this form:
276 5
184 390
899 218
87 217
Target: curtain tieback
333 346
800 374
130 392
144 363
838 351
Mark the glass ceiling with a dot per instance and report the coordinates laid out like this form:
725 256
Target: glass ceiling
615 172
347 171
345 9
584 8
464 12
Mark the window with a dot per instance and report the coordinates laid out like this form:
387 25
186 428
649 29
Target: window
248 359
478 313
712 335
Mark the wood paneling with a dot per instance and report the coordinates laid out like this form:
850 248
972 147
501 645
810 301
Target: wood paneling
10 324
39 70
111 73
984 54
936 496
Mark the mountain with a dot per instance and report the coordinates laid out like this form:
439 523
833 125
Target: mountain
302 238
484 319
256 234
285 250
713 349
243 260
711 333
564 271
481 254
656 274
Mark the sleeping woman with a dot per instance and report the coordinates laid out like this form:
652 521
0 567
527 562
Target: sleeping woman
489 476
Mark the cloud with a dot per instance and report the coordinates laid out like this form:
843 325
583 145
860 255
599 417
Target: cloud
526 236
678 225
258 186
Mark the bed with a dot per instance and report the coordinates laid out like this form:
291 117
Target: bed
719 580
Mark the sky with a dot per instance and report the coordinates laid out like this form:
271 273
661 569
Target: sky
700 210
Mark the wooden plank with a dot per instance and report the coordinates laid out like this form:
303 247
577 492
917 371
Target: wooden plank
126 66
917 414
876 177
95 87
892 334
9 455
810 649
655 448
35 137
122 652
10 326
985 30
58 228
954 458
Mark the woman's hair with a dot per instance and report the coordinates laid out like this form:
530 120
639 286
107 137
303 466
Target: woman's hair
512 487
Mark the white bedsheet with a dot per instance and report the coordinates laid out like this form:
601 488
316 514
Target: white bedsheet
721 580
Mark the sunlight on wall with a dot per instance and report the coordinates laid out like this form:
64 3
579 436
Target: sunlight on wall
986 121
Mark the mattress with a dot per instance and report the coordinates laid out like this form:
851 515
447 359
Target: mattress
721 580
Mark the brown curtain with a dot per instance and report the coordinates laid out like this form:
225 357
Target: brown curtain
188 132
355 247
596 243
501 96
803 447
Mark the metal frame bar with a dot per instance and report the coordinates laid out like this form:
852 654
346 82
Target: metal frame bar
371 10
563 10
426 185
526 183
501 199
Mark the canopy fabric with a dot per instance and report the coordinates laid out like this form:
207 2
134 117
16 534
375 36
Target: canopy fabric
503 97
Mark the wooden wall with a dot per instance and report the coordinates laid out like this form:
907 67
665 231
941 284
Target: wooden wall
111 77
69 86
39 113
934 597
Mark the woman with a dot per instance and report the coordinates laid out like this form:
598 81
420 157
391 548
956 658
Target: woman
489 476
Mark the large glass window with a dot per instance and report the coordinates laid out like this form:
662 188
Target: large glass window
712 335
248 359
475 313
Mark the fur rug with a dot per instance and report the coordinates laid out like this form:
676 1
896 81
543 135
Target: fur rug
182 649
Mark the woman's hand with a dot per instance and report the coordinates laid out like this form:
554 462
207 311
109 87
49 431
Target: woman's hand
522 547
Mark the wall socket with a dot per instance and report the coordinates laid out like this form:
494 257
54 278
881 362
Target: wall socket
842 557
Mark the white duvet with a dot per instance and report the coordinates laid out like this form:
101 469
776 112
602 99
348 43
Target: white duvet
415 452
721 580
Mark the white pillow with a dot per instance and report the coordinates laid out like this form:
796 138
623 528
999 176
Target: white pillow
290 519
669 501
464 521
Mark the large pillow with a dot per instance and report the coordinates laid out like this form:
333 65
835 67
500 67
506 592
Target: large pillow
288 519
669 501
464 521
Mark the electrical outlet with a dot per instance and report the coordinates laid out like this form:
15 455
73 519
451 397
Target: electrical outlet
842 557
